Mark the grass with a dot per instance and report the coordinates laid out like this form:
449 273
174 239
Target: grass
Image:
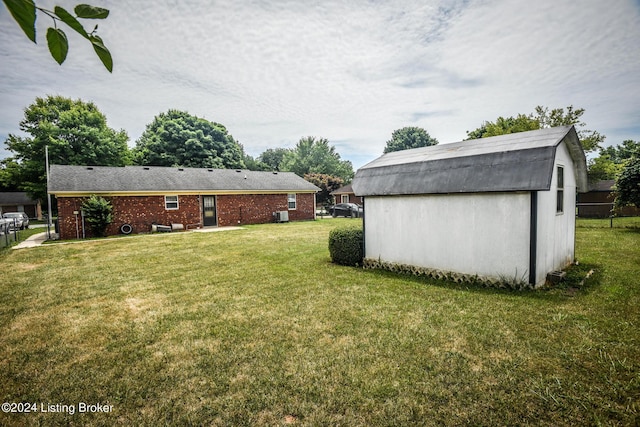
257 327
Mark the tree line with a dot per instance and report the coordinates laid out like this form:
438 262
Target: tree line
76 133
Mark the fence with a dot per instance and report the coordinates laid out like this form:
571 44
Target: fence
8 233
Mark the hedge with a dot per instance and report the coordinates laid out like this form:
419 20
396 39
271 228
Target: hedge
345 246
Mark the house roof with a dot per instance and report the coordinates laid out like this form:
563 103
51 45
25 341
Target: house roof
159 180
603 186
347 189
13 198
514 162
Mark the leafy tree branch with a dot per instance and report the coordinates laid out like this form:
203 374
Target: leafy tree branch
24 12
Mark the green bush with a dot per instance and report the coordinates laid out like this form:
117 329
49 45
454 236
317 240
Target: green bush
98 214
345 246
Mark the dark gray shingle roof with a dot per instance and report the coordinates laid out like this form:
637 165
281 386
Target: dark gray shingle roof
343 190
603 186
514 162
141 179
15 198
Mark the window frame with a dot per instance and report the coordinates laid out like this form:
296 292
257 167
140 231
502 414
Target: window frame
559 189
344 198
168 204
292 201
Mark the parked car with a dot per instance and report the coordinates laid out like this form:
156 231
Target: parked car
346 209
18 219
4 225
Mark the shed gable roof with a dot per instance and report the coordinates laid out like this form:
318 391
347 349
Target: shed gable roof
514 162
154 179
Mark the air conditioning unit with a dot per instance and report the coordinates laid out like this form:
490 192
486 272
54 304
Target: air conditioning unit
282 216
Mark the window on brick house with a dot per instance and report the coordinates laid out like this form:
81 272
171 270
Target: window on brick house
291 198
344 198
171 202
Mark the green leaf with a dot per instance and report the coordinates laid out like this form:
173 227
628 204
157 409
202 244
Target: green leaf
102 52
90 12
70 20
58 44
24 12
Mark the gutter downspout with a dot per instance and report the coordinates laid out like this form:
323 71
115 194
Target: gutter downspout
533 238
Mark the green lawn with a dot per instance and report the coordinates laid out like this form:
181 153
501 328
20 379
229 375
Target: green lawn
257 327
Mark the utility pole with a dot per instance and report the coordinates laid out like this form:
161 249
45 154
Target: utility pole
46 156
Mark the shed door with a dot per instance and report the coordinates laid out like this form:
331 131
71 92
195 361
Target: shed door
209 210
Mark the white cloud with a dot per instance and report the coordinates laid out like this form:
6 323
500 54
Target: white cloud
353 72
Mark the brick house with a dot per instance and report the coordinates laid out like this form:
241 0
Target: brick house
346 195
20 202
142 196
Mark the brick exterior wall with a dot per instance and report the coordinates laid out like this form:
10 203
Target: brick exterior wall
352 199
142 211
259 208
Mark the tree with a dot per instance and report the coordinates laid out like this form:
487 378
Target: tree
273 157
520 123
326 183
621 153
409 137
76 133
542 118
98 214
589 139
313 155
254 164
612 160
602 168
628 184
25 12
177 138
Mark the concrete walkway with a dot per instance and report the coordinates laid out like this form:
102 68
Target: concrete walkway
32 241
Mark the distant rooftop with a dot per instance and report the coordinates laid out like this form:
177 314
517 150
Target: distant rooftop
156 179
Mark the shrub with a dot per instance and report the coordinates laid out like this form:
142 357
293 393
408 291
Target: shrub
97 213
345 246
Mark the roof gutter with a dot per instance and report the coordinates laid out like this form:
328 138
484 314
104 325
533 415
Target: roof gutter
63 193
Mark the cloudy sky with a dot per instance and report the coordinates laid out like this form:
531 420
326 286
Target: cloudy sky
349 71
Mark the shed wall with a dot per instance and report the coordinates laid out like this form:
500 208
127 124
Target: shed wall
476 233
556 231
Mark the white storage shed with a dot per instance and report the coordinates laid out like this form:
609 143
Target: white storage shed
494 208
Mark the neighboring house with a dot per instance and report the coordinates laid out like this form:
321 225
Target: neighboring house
489 209
142 196
346 195
20 202
598 202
